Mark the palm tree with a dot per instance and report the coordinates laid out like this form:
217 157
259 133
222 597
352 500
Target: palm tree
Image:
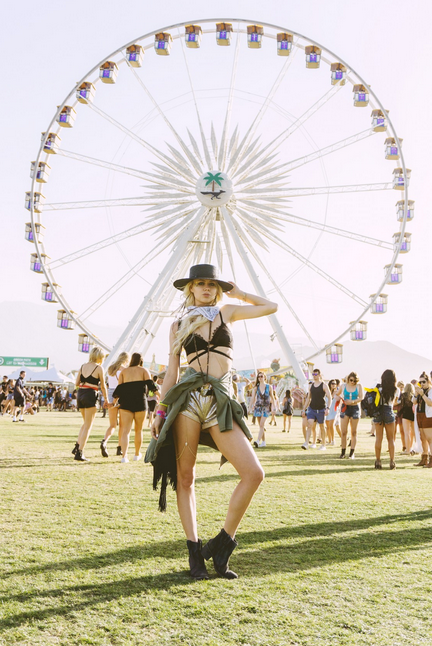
213 178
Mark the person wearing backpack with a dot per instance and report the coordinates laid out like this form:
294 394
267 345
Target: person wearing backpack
384 418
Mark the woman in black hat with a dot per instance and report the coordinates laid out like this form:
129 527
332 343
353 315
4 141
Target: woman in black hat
199 409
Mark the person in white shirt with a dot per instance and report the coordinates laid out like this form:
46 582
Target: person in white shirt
242 382
113 373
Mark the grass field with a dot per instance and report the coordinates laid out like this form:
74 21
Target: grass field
330 552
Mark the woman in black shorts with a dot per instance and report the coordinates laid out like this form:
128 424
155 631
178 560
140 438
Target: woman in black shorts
134 383
89 379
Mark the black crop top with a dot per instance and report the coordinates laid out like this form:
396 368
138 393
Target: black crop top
221 337
93 381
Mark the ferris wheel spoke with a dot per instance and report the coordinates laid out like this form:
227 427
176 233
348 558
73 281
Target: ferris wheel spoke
102 244
227 243
295 219
277 142
224 140
240 153
307 159
182 170
259 261
258 221
266 233
143 262
192 160
253 194
122 201
203 139
102 163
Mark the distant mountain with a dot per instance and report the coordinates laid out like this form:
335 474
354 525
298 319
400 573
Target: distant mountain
29 329
368 358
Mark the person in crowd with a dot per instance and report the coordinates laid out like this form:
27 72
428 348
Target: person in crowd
90 376
408 418
385 417
262 401
37 396
398 415
134 383
50 397
113 374
333 407
3 392
73 401
316 409
20 393
287 411
9 403
57 398
424 418
350 395
242 385
275 406
200 408
152 400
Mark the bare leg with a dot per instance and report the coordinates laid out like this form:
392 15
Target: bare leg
186 437
284 423
322 434
112 416
289 423
338 429
378 440
407 435
261 434
88 415
127 418
354 425
344 430
139 423
236 448
390 432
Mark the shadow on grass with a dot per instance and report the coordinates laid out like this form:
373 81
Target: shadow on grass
321 550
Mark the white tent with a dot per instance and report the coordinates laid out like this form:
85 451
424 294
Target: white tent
52 374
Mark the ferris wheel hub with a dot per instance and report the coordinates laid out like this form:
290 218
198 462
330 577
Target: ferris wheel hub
214 188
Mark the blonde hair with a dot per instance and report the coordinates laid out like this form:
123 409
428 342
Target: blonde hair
97 355
191 323
409 390
121 360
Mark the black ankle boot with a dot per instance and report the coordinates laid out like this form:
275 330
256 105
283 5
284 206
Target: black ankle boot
198 570
119 451
342 455
79 456
103 449
220 548
75 448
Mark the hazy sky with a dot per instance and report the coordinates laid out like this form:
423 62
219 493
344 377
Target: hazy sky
49 46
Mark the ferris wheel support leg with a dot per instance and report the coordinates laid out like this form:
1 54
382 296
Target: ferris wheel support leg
276 326
129 336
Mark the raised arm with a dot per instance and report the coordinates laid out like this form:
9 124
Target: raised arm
258 306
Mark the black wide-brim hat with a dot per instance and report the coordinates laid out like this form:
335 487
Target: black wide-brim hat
206 272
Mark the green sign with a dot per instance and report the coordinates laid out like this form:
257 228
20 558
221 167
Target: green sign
26 362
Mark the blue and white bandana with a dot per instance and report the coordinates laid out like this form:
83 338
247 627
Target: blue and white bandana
209 313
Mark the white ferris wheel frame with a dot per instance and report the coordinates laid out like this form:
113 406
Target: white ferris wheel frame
146 321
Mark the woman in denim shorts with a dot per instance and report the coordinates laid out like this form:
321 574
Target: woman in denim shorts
350 394
385 418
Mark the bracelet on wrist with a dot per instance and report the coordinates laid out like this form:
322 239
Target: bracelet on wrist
162 404
161 413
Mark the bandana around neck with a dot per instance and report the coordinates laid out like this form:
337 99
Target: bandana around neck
209 313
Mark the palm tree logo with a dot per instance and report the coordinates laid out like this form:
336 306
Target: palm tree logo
213 178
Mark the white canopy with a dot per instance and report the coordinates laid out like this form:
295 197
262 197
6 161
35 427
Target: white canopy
52 374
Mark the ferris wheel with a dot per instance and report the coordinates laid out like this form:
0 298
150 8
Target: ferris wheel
227 142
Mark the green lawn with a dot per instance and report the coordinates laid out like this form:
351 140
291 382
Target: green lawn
330 552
